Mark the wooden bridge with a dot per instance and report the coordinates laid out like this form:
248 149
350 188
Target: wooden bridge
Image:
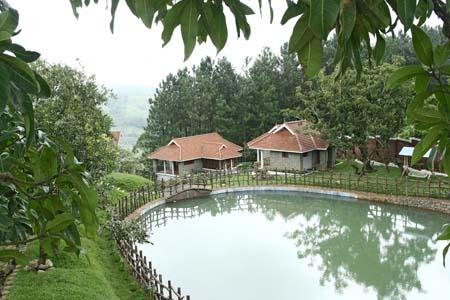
134 205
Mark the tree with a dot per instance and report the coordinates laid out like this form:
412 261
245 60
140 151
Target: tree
74 113
44 190
350 111
130 162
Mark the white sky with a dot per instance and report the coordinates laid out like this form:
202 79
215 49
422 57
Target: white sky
133 54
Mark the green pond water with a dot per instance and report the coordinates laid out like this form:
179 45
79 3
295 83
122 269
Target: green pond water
280 245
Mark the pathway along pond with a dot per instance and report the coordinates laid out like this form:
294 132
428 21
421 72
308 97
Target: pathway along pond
281 245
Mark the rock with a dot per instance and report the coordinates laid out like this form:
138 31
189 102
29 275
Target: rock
50 263
43 267
40 271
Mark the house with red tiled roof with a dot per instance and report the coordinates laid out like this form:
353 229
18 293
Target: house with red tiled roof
116 137
184 155
292 145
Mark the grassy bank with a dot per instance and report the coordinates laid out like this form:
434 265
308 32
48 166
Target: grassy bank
98 275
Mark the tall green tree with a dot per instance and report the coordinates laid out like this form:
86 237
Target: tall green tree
74 113
44 190
352 109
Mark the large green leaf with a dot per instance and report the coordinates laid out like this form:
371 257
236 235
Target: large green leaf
380 47
189 27
219 33
422 46
25 106
44 89
422 82
21 73
445 233
9 19
172 20
403 74
75 5
5 87
406 10
25 55
348 17
49 162
416 104
293 10
311 57
322 16
240 12
426 143
301 35
216 25
86 199
7 254
441 54
60 222
146 11
114 4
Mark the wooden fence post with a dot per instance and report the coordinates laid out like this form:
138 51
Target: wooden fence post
179 294
439 188
396 186
330 184
349 181
161 287
170 289
406 186
367 182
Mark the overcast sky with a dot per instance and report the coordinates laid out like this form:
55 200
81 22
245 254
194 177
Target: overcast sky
133 54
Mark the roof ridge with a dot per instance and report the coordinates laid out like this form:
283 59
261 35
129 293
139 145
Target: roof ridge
313 140
196 135
300 147
213 143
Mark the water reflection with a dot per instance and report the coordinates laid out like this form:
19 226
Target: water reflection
379 248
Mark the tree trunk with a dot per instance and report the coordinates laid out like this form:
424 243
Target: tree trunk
42 256
365 159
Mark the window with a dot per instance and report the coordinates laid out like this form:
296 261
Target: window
305 154
284 154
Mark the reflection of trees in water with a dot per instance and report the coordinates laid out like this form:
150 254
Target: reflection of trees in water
377 247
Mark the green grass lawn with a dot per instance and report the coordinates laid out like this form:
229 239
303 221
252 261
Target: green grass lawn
98 275
103 276
391 172
126 182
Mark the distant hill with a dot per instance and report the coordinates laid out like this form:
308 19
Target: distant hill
129 111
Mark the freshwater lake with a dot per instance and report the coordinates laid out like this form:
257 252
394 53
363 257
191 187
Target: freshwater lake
286 245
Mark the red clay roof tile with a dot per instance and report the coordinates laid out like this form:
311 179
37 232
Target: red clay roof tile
210 145
295 136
